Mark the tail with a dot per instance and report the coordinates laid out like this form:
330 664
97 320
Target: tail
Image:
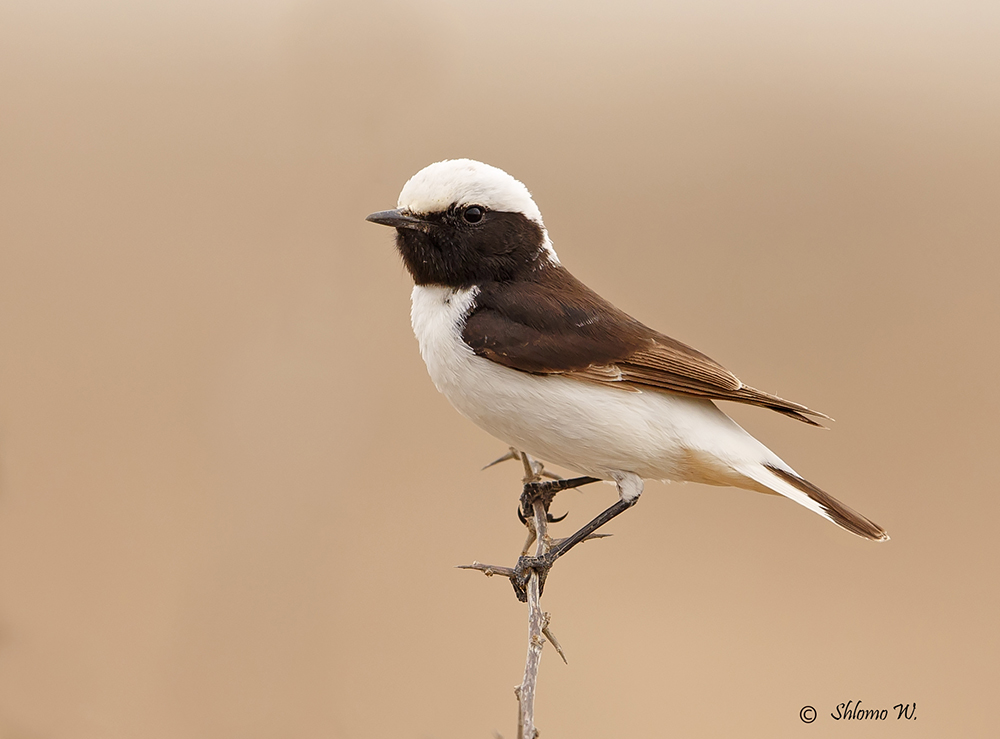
787 483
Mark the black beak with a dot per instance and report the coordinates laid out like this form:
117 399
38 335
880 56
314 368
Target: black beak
398 219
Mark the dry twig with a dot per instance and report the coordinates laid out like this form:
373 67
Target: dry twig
526 579
537 623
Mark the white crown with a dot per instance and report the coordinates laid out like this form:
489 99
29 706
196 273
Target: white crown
438 186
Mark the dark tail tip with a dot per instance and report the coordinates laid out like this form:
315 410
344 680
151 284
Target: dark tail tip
839 513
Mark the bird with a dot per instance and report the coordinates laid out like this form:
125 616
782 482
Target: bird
533 356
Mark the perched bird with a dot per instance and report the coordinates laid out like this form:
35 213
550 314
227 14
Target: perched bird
539 360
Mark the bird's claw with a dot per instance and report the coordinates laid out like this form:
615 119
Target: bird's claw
522 572
548 517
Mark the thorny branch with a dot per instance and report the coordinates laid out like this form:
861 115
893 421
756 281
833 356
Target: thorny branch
537 623
528 583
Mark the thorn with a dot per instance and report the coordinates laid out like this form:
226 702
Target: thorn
552 638
532 469
488 570
595 535
537 468
512 453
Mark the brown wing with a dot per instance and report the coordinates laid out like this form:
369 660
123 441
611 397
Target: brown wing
670 369
554 324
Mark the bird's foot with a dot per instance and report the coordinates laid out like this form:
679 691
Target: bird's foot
544 491
523 569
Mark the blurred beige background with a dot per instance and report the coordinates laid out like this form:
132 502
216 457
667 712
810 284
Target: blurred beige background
230 498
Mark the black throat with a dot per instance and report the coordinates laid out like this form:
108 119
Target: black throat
454 253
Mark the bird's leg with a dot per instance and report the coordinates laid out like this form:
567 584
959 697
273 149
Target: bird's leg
543 492
629 490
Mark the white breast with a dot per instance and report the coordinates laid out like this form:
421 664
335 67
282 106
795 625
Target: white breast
437 315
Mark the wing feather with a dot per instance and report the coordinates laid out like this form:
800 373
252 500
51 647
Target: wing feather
554 324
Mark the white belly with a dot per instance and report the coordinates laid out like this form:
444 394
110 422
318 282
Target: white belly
588 428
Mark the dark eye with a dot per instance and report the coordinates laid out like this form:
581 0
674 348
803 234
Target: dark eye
473 214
